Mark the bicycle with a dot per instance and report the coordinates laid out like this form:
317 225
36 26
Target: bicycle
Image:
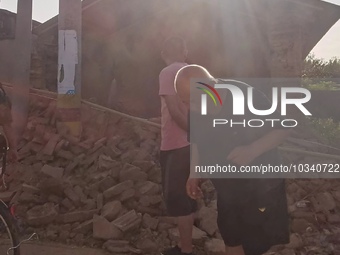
9 233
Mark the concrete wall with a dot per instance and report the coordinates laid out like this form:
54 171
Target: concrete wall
45 58
9 56
6 62
8 20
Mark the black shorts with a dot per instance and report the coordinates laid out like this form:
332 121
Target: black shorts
251 216
175 165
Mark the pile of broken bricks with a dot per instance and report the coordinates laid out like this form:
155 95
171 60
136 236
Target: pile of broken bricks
104 190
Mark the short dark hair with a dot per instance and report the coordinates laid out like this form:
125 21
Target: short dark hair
173 46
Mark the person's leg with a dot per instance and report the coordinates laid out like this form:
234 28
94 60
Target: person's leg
265 228
237 250
175 172
187 206
228 221
185 225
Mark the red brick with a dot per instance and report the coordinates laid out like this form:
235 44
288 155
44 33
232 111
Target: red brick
103 229
69 192
117 189
78 216
66 154
6 196
60 145
51 144
42 215
129 221
55 172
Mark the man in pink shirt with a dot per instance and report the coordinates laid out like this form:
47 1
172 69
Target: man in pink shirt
175 148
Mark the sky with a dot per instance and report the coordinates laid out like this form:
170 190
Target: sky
43 10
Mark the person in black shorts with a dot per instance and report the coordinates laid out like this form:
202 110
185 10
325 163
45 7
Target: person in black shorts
252 212
175 149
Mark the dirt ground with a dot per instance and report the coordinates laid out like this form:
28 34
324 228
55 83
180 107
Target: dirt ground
37 248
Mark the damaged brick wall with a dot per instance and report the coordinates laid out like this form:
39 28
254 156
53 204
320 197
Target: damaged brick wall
122 40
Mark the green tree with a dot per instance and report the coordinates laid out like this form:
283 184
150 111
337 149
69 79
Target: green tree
318 68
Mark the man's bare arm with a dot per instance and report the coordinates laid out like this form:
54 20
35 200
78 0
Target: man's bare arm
194 161
270 141
180 117
193 184
244 155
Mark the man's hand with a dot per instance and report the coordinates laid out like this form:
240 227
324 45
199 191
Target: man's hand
12 156
193 189
243 155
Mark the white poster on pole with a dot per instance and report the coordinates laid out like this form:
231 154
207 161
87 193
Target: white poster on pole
67 59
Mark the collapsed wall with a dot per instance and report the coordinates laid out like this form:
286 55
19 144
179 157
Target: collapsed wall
104 189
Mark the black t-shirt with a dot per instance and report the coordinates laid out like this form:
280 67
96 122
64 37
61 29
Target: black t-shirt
222 139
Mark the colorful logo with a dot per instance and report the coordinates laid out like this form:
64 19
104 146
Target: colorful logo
211 92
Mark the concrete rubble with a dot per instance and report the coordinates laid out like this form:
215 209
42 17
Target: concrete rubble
104 190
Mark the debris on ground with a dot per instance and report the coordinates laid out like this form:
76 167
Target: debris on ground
104 189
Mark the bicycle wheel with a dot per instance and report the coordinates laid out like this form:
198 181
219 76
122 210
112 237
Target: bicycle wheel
9 234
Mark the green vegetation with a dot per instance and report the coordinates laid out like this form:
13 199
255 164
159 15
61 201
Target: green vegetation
319 74
327 129
319 84
320 69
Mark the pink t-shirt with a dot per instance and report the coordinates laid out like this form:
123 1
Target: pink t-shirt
173 136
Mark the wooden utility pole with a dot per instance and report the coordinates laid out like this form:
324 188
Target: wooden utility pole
21 65
69 67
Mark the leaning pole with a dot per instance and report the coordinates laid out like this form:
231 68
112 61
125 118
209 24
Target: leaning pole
69 65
